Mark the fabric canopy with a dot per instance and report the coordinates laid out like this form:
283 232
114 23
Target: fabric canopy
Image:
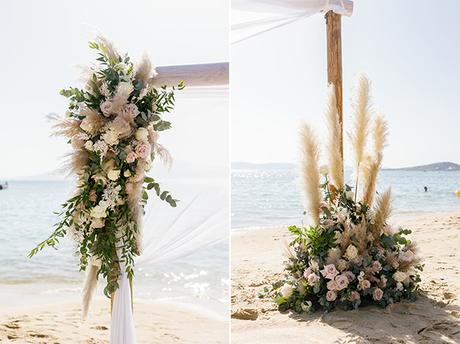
343 7
265 15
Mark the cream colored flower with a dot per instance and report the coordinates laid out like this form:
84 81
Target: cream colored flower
89 146
113 174
351 252
399 276
286 291
110 137
142 135
98 212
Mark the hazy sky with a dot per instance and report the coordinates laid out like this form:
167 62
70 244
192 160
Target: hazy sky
409 49
44 41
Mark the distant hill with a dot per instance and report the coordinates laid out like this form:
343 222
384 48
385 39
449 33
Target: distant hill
266 166
439 166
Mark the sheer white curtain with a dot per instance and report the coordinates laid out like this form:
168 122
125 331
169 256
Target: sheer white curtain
199 179
254 17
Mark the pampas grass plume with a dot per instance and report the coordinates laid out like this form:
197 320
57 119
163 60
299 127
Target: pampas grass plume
310 172
362 114
382 211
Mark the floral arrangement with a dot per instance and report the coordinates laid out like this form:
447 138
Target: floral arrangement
113 125
350 255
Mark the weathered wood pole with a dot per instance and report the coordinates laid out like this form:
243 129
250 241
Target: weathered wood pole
334 63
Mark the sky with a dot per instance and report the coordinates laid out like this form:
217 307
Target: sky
43 42
410 50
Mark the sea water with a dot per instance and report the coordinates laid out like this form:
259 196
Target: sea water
269 195
27 217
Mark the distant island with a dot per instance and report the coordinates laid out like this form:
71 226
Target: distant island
438 166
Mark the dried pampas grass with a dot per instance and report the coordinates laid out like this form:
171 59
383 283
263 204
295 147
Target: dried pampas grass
380 133
64 126
89 287
108 48
382 212
358 136
335 159
310 172
145 71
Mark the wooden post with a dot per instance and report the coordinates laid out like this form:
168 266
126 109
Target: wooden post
334 63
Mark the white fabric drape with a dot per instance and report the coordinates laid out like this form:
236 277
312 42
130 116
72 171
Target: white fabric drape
122 322
201 217
266 15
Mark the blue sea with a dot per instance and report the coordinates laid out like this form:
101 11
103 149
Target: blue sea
27 217
269 195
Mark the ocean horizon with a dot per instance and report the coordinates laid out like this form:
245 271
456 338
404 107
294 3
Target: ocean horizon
268 195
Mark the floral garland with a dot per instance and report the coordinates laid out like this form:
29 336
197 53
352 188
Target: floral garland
350 255
113 125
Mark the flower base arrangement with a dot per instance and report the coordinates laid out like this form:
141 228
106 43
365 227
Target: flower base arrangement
350 255
113 126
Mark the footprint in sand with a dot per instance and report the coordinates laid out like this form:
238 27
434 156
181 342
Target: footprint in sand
13 325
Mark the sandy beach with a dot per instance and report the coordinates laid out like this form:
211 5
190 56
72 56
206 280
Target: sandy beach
156 322
257 261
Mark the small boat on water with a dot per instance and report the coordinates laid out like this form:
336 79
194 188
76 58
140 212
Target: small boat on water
4 186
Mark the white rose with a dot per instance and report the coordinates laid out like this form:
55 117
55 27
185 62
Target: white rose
127 173
286 291
399 286
89 146
113 174
351 252
142 135
98 212
399 276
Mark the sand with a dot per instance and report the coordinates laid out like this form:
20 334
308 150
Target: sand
257 257
156 322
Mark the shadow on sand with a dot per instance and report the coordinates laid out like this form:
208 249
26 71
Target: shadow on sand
423 321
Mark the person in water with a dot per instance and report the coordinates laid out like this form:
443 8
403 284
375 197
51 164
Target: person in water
425 188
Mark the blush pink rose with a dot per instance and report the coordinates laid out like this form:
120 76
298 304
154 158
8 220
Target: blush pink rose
355 296
313 279
376 266
129 112
307 272
131 157
332 285
92 196
331 295
350 275
142 150
377 294
365 284
329 271
106 108
341 281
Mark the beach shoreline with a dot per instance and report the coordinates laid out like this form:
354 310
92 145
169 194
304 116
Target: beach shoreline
61 321
257 261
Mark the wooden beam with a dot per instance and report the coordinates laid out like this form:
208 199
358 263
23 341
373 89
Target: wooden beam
209 74
334 63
